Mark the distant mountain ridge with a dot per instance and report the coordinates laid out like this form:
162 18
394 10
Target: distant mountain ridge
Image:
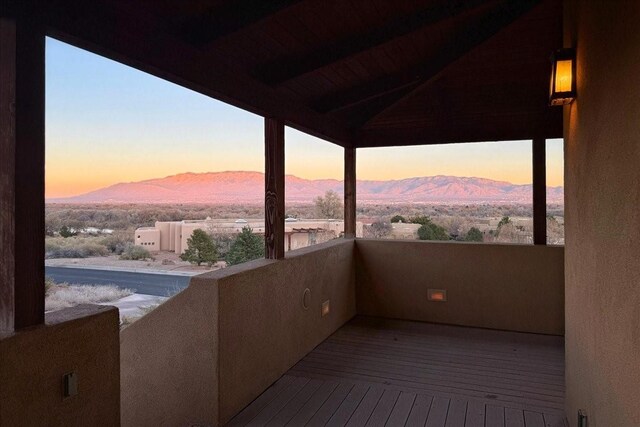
248 187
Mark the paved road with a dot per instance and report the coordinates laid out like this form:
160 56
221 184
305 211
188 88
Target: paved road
142 283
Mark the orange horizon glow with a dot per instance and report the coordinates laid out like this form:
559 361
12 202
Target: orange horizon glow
107 123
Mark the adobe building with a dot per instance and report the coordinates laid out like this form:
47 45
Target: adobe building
173 235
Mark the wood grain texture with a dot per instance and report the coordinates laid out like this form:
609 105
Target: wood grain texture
539 191
487 379
349 192
274 188
494 90
286 68
470 37
21 175
7 173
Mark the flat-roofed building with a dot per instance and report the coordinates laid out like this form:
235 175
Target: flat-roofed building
299 233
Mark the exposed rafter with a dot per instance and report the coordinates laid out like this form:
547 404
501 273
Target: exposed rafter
232 16
290 67
125 35
519 126
469 37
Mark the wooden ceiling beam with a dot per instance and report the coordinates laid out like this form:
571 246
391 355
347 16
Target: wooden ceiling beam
232 16
470 37
287 68
520 127
114 30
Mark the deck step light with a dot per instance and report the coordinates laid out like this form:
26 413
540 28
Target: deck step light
562 89
439 295
325 308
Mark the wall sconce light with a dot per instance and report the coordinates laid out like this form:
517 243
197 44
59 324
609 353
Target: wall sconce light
563 77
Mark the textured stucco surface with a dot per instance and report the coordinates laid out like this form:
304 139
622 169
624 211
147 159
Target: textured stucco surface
509 287
209 351
169 362
264 328
602 178
83 340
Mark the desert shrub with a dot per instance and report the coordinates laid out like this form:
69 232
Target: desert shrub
474 235
65 295
398 218
48 285
117 243
135 253
67 232
431 231
73 247
378 230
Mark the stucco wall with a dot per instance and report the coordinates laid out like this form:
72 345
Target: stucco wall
509 287
264 328
169 362
83 340
148 238
602 175
209 351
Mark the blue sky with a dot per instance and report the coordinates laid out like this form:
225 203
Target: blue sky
109 123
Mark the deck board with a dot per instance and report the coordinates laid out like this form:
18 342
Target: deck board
348 406
362 414
377 372
457 413
329 407
420 411
438 412
313 405
401 410
494 416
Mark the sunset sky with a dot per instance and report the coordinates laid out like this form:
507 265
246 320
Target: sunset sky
108 123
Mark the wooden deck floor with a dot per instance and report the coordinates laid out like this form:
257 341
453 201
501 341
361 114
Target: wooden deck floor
376 372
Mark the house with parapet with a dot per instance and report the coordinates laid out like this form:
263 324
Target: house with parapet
299 233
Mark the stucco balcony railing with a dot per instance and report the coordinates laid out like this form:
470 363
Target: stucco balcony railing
213 349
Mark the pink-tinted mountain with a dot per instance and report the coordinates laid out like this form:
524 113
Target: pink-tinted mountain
248 187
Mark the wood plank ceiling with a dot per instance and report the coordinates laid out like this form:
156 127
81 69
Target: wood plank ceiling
356 72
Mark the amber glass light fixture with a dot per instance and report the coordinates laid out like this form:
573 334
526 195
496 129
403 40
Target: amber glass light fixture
563 77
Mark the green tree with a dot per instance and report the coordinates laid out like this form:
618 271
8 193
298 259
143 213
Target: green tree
429 230
398 218
504 221
474 235
422 220
329 206
67 232
432 231
245 247
200 248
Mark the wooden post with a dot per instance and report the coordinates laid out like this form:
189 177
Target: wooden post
21 175
349 192
274 188
539 191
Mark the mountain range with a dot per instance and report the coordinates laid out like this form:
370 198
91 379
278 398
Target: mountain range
248 187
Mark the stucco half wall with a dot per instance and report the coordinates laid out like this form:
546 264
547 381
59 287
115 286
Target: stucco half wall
602 164
83 340
209 351
264 327
169 362
508 287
